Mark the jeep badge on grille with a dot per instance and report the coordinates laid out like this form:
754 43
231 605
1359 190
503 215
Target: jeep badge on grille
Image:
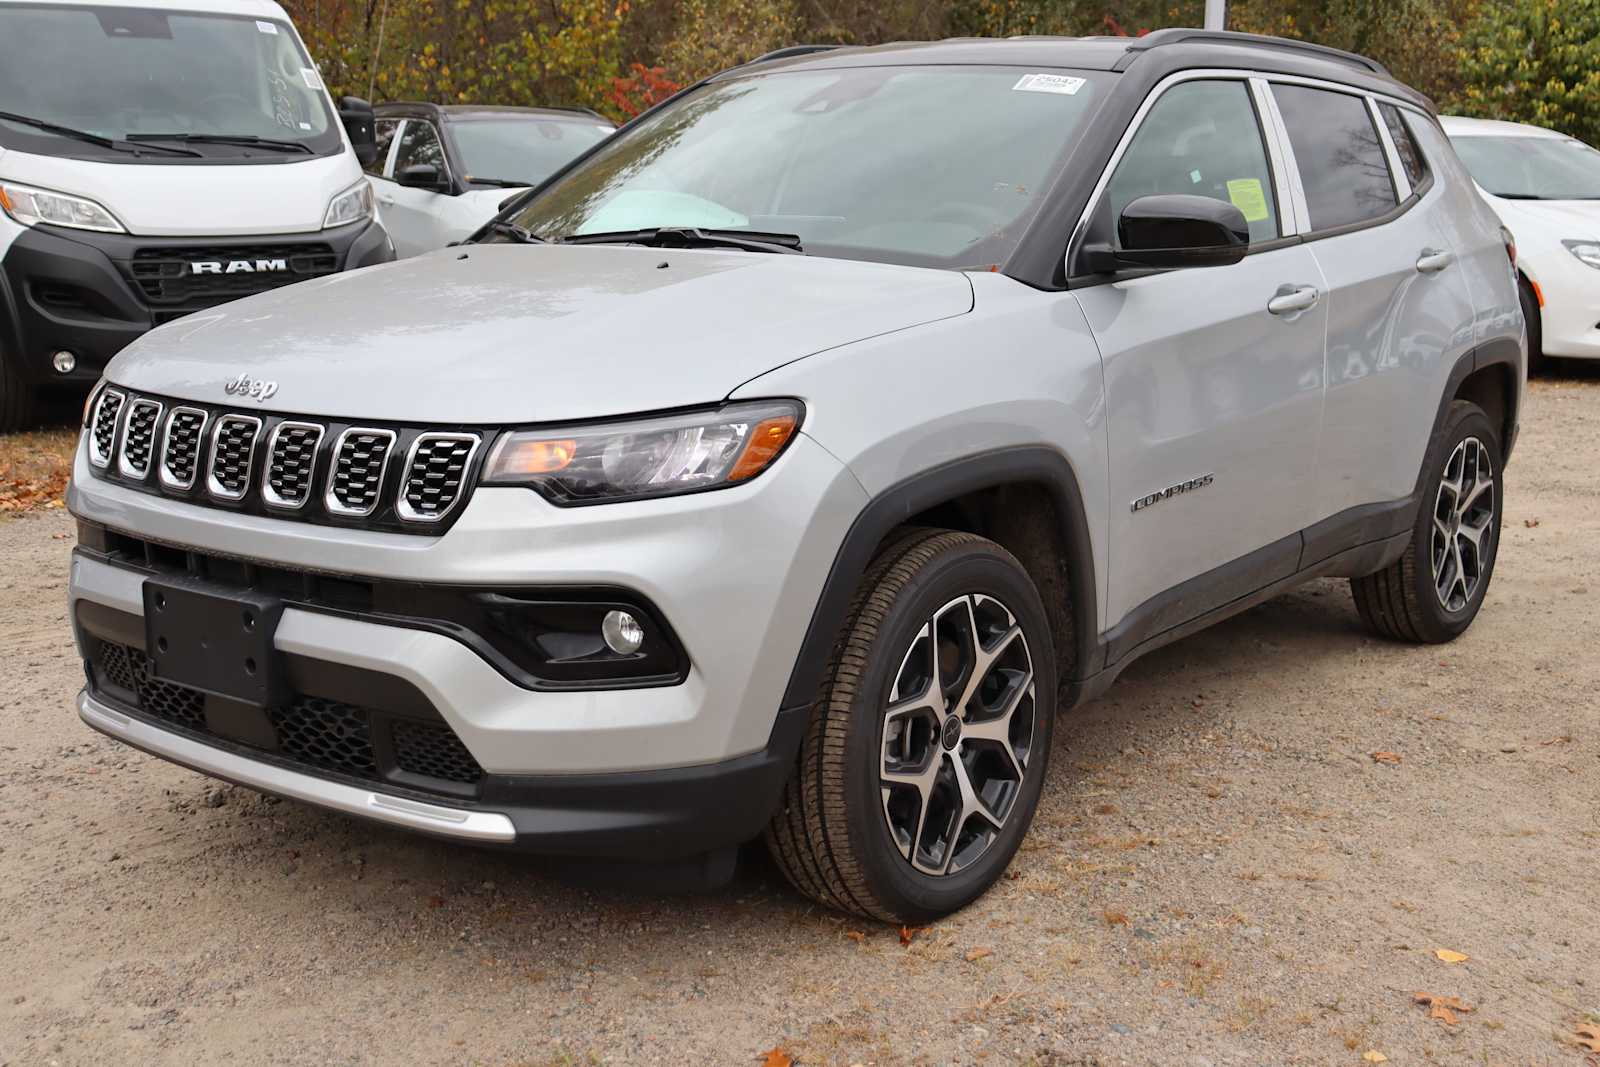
256 389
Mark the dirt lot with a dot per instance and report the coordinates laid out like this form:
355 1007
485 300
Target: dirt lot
1221 873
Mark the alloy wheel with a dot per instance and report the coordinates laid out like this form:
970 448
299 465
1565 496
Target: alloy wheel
957 735
1463 524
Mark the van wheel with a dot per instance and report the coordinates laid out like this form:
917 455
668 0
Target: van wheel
926 751
1433 592
19 407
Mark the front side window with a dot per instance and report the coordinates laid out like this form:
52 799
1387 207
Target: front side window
1532 168
521 151
934 166
1404 144
209 84
1201 138
419 147
1340 157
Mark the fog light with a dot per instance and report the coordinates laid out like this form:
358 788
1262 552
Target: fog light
622 632
64 362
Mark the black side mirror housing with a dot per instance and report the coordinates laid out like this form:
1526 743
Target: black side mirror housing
1175 230
356 115
423 176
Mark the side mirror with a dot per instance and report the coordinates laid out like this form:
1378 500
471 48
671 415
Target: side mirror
423 176
356 114
1175 230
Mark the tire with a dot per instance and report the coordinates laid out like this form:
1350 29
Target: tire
868 777
1433 592
1537 364
19 400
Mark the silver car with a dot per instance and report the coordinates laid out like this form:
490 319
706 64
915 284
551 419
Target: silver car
791 461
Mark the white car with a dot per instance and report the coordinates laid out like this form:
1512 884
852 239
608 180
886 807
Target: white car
1545 186
444 170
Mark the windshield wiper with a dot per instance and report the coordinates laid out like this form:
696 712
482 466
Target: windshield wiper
516 233
502 183
85 135
692 237
249 139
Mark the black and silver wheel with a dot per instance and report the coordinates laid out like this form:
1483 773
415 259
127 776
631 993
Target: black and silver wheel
926 752
1433 592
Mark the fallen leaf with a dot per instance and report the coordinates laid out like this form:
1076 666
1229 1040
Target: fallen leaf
1442 1008
1588 1036
1115 918
1451 957
909 932
855 935
776 1057
1372 1055
1560 739
436 902
976 954
1530 523
1386 757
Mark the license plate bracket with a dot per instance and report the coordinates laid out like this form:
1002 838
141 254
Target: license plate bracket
217 640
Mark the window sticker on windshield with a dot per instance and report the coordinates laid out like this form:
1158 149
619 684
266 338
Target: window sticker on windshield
1248 196
313 80
1048 83
267 27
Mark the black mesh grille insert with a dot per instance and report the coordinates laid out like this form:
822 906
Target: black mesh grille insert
433 479
181 455
358 471
105 425
433 750
138 437
326 733
234 446
202 276
129 669
292 464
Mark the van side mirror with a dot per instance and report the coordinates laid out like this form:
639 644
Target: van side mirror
423 176
356 115
1169 231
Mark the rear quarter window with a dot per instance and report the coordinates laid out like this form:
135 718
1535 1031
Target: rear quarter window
1339 155
1411 157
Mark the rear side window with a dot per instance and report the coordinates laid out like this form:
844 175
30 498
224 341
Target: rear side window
1201 138
383 135
1336 146
1411 157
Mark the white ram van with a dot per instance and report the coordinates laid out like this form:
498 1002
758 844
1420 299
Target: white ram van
159 158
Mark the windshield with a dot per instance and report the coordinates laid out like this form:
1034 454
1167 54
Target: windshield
526 150
121 72
1532 168
935 166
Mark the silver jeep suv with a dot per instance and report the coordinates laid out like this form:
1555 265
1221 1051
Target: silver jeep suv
789 463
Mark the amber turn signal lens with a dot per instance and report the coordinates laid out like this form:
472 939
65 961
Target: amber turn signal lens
537 457
766 441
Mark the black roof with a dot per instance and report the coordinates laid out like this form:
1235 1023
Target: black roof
468 112
1155 54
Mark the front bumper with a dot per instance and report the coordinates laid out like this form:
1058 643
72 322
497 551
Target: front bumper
72 290
1569 321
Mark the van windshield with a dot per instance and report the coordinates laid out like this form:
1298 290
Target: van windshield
216 87
941 166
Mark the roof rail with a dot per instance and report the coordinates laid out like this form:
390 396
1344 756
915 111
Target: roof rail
1159 38
792 51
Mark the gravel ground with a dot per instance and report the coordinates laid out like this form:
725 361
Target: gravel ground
1220 873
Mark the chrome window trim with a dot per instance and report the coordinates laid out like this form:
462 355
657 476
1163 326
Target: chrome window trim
1161 88
402 506
269 495
124 468
95 459
331 502
1295 196
162 474
216 488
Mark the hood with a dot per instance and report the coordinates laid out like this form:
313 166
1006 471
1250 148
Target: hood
196 199
534 333
1569 219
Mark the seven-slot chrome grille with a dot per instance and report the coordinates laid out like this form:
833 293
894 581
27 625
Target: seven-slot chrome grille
395 477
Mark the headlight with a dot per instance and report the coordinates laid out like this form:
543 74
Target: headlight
352 205
29 205
1588 251
661 456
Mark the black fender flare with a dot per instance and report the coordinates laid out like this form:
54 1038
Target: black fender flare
1499 351
1037 465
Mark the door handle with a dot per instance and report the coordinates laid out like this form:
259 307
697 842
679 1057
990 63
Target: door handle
1432 260
1288 301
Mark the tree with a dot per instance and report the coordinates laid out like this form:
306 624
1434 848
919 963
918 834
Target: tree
1535 61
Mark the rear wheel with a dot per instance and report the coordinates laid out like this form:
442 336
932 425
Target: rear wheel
925 756
1433 592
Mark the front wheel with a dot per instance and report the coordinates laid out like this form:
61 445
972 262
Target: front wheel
1433 592
19 407
925 755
